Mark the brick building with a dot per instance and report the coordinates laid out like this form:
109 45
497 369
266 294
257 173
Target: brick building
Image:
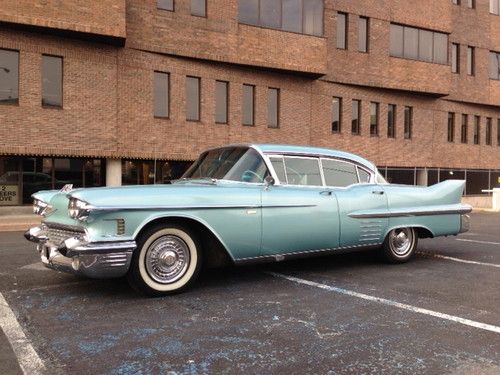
130 91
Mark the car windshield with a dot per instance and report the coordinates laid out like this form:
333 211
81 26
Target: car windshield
242 164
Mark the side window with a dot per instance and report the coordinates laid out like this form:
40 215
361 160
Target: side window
338 173
302 171
364 176
279 168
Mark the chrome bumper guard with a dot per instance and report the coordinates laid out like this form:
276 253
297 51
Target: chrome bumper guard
464 223
99 260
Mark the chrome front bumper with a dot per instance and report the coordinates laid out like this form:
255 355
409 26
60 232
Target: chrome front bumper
76 255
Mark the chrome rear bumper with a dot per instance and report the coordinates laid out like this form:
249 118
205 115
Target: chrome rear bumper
75 255
464 223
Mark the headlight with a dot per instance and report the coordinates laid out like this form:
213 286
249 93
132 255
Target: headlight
78 209
40 207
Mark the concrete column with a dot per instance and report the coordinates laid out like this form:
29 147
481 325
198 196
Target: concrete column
113 172
422 177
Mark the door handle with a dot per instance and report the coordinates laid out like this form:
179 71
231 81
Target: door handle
326 192
379 192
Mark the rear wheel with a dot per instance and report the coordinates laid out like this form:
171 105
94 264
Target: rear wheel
400 245
167 260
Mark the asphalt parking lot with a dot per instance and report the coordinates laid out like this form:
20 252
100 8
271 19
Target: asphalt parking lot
347 313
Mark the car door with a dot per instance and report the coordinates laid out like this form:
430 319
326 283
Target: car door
355 193
298 213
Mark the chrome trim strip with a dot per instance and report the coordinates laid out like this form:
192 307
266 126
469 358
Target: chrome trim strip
279 257
196 207
105 247
444 210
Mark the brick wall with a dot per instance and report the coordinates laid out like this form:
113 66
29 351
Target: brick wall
108 90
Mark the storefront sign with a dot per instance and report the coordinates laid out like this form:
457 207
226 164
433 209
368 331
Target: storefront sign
9 195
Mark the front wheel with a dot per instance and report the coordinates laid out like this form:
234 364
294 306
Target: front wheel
400 245
167 260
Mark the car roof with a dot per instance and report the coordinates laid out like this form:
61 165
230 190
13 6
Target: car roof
313 151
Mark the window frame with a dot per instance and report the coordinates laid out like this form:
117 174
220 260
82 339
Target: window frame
243 104
464 126
16 101
280 28
471 61
199 99
477 130
365 48
166 9
488 131
455 58
278 107
359 112
417 58
226 83
408 122
377 119
205 10
340 104
167 96
394 120
493 55
345 40
60 106
451 126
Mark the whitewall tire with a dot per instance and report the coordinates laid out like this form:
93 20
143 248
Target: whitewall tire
167 260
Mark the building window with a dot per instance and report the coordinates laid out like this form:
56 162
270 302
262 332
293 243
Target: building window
9 76
418 44
451 127
408 122
463 135
199 8
300 16
374 119
489 125
165 5
495 7
456 2
470 60
52 76
363 34
498 132
161 94
336 115
391 121
494 65
273 108
342 30
356 116
455 58
477 129
471 4
221 102
193 98
248 106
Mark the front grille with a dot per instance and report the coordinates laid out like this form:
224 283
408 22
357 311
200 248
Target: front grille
57 233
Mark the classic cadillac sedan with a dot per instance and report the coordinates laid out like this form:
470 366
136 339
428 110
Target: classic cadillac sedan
240 204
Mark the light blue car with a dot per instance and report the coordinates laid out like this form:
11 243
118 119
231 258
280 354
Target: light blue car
240 204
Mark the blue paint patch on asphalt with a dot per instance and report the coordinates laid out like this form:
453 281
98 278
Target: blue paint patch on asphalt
98 346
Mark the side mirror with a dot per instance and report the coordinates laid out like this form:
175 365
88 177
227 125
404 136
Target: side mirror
269 180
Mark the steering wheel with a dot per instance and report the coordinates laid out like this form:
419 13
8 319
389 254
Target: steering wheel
248 174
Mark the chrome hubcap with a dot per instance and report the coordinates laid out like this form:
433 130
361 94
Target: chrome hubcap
401 240
167 259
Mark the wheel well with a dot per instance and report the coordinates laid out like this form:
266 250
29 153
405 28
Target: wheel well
424 232
214 253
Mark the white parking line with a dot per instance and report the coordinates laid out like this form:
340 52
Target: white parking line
28 359
477 241
465 261
388 302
